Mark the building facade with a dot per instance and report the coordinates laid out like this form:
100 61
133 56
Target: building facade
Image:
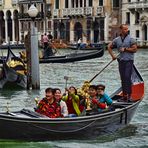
135 14
98 20
69 20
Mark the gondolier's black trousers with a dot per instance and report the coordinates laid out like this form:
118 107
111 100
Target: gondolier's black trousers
125 70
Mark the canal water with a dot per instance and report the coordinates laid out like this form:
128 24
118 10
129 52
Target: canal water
52 75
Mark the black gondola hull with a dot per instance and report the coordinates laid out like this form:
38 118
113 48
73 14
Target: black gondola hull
71 57
67 128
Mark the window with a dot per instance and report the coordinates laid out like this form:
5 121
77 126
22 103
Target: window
57 4
80 3
128 0
137 17
66 3
100 2
72 3
90 3
76 3
137 33
127 17
84 3
115 3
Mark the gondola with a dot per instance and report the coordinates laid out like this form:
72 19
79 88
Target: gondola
29 125
73 57
12 72
13 46
93 46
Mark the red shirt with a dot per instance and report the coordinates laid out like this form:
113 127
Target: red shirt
70 107
51 110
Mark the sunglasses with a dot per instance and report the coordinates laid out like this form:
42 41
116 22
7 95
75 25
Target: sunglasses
100 88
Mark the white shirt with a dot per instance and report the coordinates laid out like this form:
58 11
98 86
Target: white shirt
64 110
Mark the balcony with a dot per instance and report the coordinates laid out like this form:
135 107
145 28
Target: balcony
100 10
138 5
25 16
87 11
1 2
14 2
56 12
28 1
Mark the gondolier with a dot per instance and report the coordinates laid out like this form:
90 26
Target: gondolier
126 45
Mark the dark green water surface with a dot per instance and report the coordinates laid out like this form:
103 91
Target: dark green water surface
52 75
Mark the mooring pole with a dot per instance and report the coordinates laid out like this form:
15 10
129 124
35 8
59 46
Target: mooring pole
35 76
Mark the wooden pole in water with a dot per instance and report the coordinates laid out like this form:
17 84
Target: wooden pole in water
35 76
28 59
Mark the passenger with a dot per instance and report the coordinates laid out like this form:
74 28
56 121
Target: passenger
95 103
48 105
58 97
79 43
102 97
84 42
72 101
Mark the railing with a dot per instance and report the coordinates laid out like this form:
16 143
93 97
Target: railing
88 10
138 5
1 2
56 12
25 16
99 10
14 2
77 11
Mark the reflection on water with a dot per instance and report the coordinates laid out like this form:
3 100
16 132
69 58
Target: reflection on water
135 135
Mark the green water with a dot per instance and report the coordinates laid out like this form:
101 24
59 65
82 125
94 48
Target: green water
133 136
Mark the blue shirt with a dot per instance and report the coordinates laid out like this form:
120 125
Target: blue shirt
105 99
127 42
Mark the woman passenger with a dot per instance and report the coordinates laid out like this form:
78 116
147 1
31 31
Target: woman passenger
58 97
72 101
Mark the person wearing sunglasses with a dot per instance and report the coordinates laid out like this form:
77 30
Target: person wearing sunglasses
48 106
100 99
102 96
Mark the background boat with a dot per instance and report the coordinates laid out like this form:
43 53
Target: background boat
13 72
72 57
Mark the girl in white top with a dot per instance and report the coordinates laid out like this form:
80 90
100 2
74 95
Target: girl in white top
58 96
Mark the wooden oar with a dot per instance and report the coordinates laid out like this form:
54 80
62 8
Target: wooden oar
102 70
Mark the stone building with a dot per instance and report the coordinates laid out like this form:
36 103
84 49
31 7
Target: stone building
15 21
97 19
69 20
135 14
